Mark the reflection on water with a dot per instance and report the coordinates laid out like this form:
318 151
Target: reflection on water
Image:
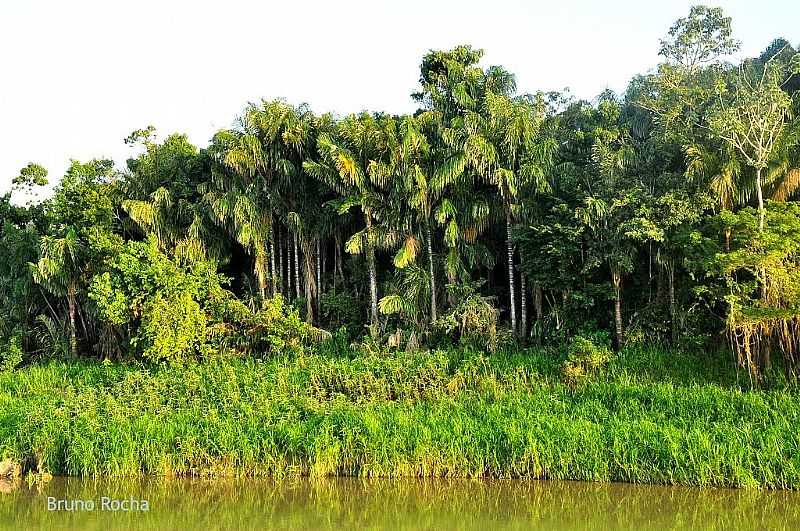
395 504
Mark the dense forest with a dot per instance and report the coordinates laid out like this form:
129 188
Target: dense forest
665 215
502 284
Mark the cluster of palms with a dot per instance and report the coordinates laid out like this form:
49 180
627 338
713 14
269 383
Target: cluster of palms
543 198
294 189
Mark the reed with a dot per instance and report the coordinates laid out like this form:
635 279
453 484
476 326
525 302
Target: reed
455 413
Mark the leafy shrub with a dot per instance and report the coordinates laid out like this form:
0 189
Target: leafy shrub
339 310
157 302
171 311
276 327
585 355
175 328
11 353
473 320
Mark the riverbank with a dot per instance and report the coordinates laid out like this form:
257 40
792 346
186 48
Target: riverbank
649 417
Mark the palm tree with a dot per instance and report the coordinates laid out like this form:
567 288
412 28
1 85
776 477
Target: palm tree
499 144
353 161
164 189
423 186
59 270
258 163
240 200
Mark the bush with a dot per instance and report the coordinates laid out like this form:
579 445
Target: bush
473 320
11 353
171 311
173 329
585 355
275 328
338 310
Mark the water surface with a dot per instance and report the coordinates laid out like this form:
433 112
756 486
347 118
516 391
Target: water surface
394 504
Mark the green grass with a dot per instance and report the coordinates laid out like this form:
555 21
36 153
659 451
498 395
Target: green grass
653 416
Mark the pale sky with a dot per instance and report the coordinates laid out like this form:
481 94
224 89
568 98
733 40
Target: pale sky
77 76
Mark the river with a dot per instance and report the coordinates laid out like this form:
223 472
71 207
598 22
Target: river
402 504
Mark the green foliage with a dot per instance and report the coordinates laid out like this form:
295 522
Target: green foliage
31 175
627 213
172 311
11 354
172 329
585 355
158 303
275 329
702 37
341 310
472 321
425 414
762 274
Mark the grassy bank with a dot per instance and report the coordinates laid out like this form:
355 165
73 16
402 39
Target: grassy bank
454 413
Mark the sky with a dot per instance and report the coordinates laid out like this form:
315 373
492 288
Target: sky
77 76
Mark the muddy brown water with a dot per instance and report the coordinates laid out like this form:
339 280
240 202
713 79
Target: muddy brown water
402 504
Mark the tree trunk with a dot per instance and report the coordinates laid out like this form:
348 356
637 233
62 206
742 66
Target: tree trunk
760 195
296 268
512 299
761 215
72 296
373 279
324 258
649 272
261 271
289 267
537 301
279 284
523 301
338 243
318 265
616 279
287 260
272 257
672 312
310 283
431 272
335 260
728 231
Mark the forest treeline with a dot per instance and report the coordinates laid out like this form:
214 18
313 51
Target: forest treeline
666 214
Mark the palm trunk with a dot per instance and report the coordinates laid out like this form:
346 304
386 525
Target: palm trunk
335 260
616 280
287 260
432 273
649 272
761 210
72 296
512 299
523 301
310 284
278 246
537 301
261 271
296 268
318 265
373 279
323 258
338 243
672 312
289 267
274 273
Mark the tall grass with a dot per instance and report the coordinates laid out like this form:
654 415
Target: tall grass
443 413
